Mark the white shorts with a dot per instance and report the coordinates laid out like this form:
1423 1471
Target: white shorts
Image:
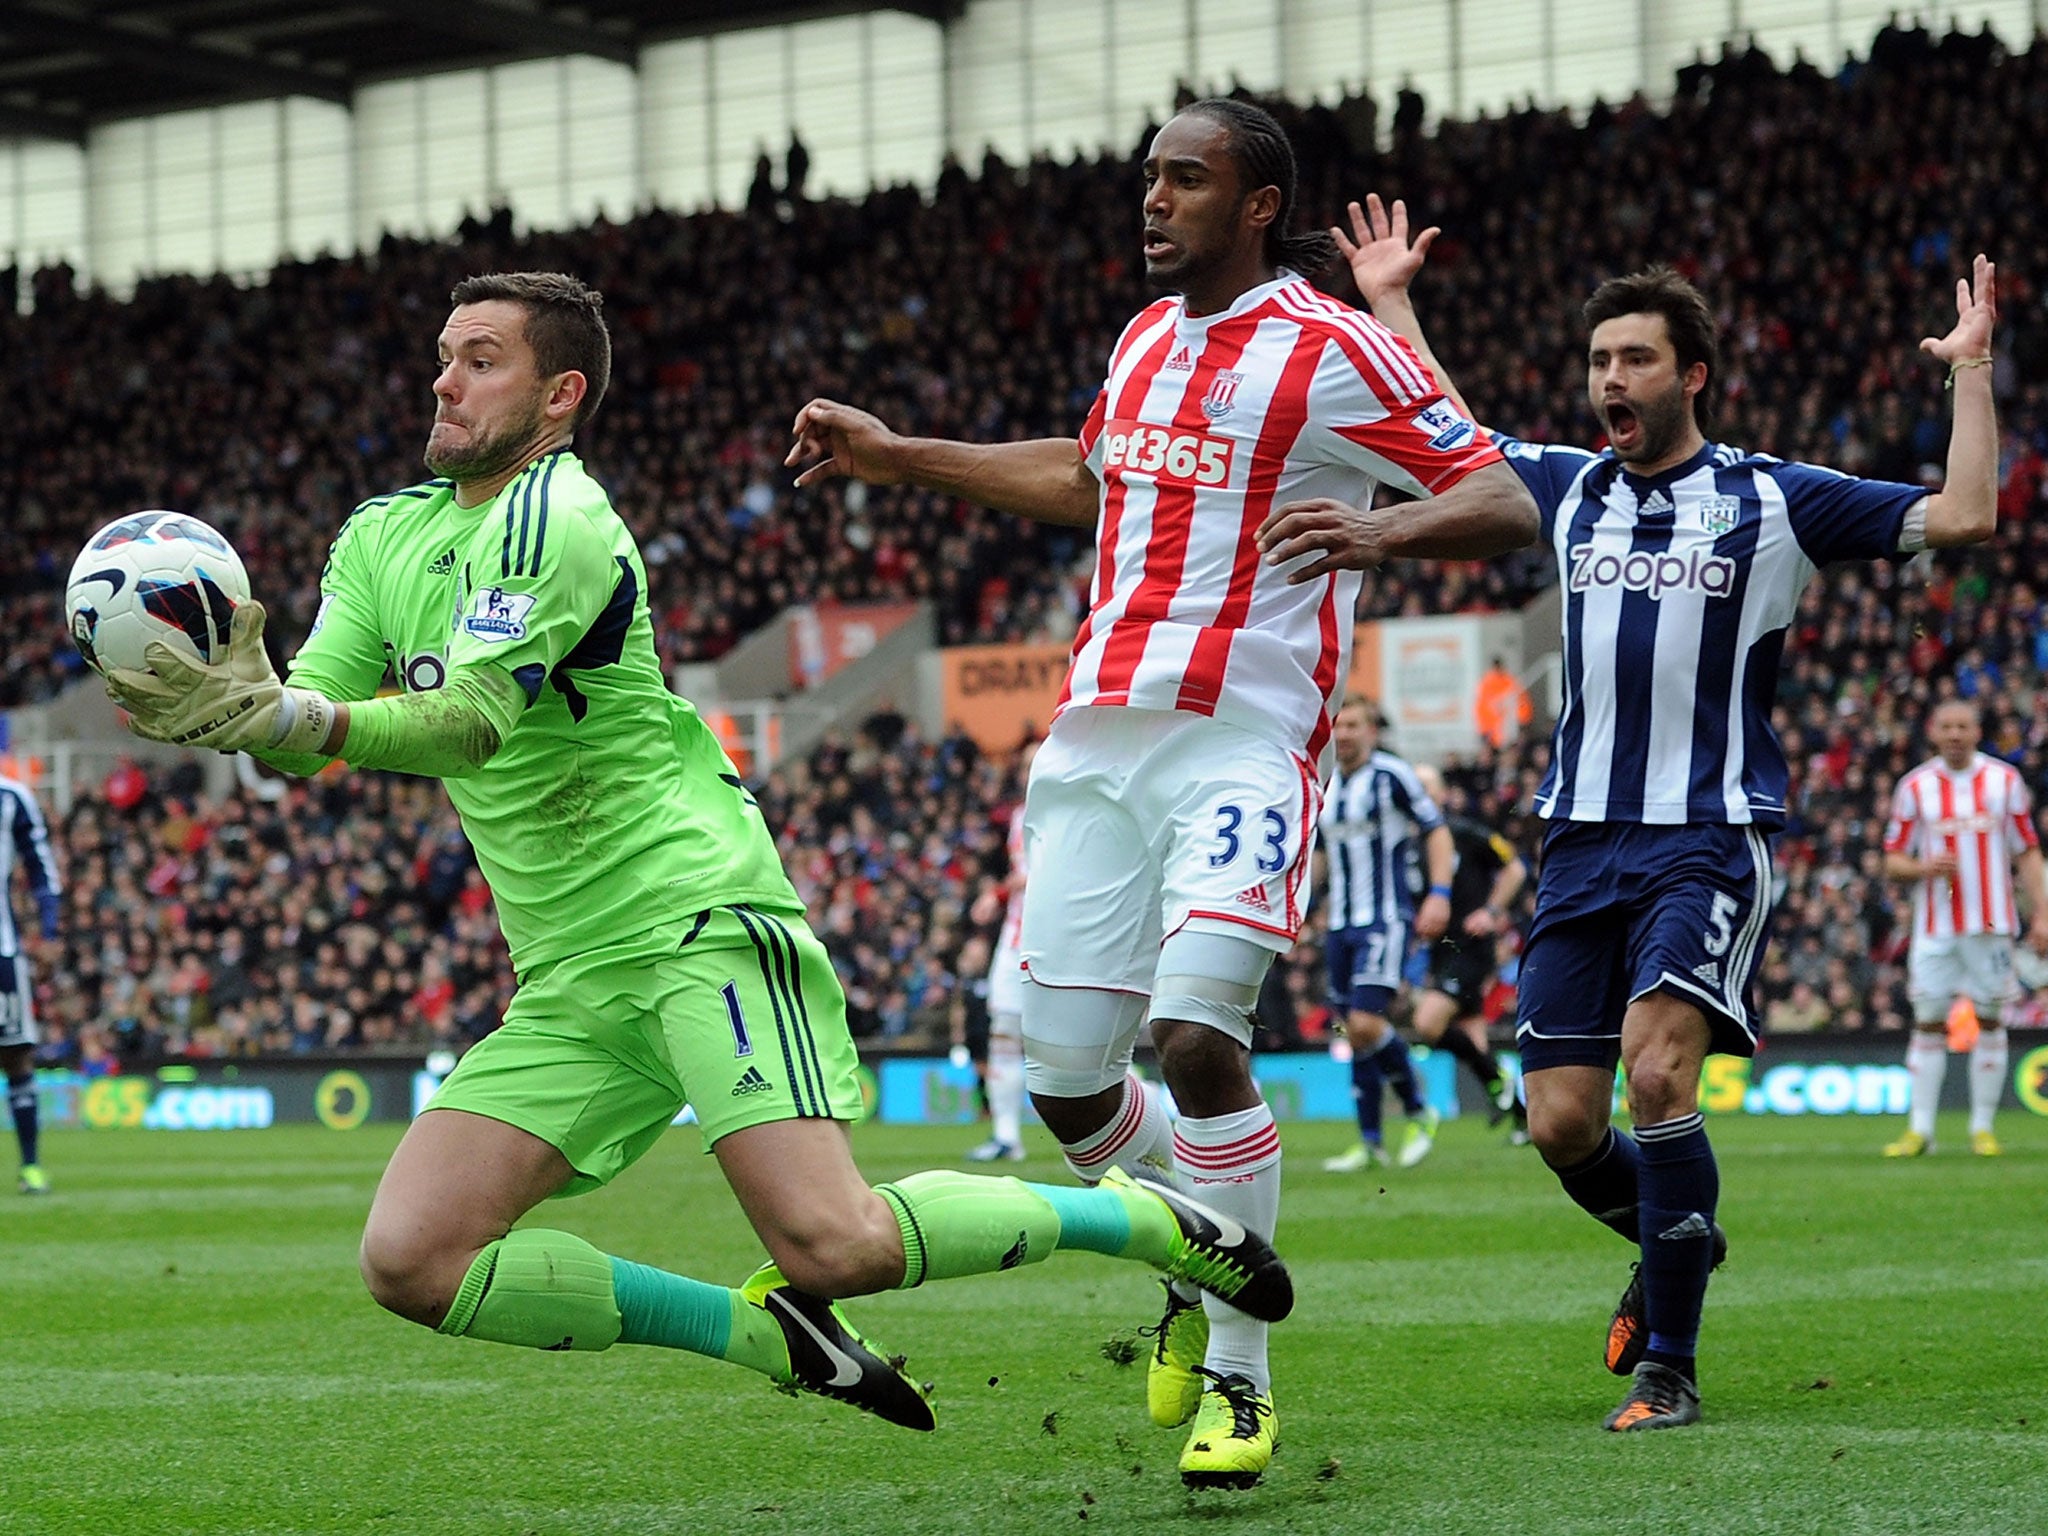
17 1003
1141 823
1973 965
1005 983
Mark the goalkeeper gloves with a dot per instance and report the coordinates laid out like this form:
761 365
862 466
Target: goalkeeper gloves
233 705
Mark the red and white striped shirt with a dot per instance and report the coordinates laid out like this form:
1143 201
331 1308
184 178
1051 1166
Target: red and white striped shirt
1013 914
1983 816
1204 426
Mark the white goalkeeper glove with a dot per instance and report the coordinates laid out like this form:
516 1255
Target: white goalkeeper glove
231 706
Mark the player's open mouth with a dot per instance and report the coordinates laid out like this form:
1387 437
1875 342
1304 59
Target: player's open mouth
1623 428
1157 246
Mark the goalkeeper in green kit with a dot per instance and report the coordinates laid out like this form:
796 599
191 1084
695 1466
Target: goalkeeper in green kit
661 953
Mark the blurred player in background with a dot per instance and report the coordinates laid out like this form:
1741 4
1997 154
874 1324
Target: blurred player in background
1682 562
1375 808
1004 1074
1959 822
24 840
967 1014
1465 961
1171 811
661 951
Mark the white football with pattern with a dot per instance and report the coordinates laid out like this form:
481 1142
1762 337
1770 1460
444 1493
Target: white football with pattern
153 576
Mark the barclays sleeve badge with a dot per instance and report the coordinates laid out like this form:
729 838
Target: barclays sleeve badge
1442 424
496 615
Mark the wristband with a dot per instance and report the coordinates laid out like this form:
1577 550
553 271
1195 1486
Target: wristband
1441 890
1968 362
302 722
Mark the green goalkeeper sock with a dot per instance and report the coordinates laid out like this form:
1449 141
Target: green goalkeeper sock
552 1290
966 1224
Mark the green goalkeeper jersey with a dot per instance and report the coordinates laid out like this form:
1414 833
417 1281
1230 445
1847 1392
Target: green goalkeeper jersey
610 806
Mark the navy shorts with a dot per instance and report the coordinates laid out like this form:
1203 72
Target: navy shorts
1365 966
1623 910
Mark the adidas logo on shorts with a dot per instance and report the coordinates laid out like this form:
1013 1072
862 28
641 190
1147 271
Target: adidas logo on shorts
753 1082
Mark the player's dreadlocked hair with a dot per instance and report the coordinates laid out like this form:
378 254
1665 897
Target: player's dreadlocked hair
564 326
1266 159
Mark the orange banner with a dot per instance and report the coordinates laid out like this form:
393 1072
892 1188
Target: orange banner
1002 695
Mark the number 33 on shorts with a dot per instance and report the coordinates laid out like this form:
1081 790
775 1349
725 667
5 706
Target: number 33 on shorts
1245 864
1270 837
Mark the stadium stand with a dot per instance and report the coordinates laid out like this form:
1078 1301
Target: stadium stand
985 310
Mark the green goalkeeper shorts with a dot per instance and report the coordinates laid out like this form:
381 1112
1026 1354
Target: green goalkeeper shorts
735 1011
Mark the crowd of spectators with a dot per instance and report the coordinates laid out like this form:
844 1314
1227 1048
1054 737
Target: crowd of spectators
347 912
1826 218
339 913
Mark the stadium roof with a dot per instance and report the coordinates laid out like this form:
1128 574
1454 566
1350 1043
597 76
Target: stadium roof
68 64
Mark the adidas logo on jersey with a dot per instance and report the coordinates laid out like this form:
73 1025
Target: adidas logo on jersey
1657 504
443 564
1255 898
1180 362
752 1082
1709 972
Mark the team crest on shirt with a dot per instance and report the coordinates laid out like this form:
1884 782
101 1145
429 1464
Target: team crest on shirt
1222 396
1718 514
1444 425
496 615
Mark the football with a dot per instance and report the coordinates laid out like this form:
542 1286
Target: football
153 576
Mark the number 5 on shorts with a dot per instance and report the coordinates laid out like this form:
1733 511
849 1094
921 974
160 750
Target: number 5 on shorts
1720 920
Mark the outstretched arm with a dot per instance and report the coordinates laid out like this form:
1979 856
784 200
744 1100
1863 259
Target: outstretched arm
239 704
1487 513
1384 262
1965 509
1045 479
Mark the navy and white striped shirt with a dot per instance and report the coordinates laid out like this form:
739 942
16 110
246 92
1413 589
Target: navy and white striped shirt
1678 590
24 836
1368 817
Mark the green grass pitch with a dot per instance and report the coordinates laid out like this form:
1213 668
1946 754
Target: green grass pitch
187 1349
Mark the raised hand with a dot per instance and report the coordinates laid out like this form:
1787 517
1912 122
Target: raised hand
851 441
1976 317
1383 259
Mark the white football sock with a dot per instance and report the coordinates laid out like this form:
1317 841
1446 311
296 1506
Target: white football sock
1987 1076
1927 1060
1006 1086
1137 1140
1232 1164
